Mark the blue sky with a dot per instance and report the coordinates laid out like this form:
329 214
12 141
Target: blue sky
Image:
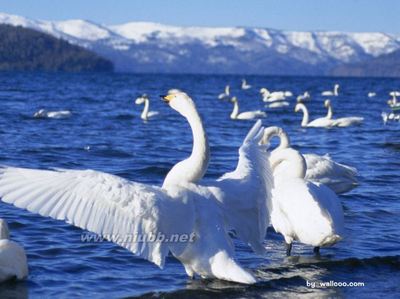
341 15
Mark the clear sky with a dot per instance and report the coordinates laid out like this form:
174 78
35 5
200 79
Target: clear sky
341 15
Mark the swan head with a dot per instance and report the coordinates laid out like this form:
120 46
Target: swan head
264 91
271 132
327 103
298 107
180 102
40 113
141 99
4 232
234 99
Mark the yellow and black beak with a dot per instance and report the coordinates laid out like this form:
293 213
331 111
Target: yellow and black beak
167 98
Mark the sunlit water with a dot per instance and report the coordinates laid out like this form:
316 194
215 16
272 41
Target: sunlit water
106 133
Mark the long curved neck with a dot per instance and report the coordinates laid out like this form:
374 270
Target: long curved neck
271 132
329 115
235 110
227 90
287 163
336 90
193 168
304 122
145 109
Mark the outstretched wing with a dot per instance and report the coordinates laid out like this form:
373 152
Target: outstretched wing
124 212
246 192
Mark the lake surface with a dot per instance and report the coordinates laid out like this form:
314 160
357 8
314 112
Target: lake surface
106 133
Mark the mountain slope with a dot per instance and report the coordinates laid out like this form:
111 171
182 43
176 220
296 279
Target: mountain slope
383 66
152 47
27 49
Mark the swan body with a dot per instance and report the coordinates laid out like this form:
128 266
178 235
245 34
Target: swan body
245 85
278 104
146 114
335 91
303 97
225 94
390 117
371 94
244 115
319 122
13 261
42 113
272 96
303 211
112 206
339 177
343 121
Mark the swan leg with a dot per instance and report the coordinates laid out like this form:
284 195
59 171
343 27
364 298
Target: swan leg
288 248
316 250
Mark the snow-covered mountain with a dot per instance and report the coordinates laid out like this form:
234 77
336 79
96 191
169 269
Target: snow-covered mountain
152 47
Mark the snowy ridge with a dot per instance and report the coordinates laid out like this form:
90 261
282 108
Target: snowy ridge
141 46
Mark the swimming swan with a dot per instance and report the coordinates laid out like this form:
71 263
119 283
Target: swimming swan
114 207
244 115
225 94
245 85
319 169
303 97
13 262
310 213
335 91
272 96
42 113
146 114
343 121
319 122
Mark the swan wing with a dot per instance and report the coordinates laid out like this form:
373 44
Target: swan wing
105 204
245 193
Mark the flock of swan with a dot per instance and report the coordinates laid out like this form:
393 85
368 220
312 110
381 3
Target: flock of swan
394 114
294 193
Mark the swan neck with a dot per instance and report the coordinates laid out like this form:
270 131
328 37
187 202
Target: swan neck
336 90
329 115
235 110
4 232
304 122
287 163
145 111
271 132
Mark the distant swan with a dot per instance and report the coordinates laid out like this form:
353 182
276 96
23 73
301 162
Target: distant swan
303 97
319 169
371 94
310 213
319 122
272 96
244 115
13 262
335 91
245 85
42 113
146 114
278 104
112 206
343 121
226 93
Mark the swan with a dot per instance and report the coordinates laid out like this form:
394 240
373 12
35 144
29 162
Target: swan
245 85
244 115
13 262
225 94
278 104
42 113
117 208
343 121
303 97
335 91
319 169
272 96
146 114
319 122
371 94
308 212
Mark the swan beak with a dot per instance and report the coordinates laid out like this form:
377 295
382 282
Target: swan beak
167 98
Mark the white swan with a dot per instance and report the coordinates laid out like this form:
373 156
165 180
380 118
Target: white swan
13 262
146 114
278 104
335 91
319 122
272 96
244 115
310 213
245 85
343 121
117 208
371 94
319 169
225 94
303 97
42 113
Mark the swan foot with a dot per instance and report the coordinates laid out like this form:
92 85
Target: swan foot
316 250
288 248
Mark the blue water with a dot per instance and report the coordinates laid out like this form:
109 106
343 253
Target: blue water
106 133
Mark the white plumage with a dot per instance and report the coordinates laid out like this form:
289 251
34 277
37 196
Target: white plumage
42 113
343 121
146 114
319 122
244 115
